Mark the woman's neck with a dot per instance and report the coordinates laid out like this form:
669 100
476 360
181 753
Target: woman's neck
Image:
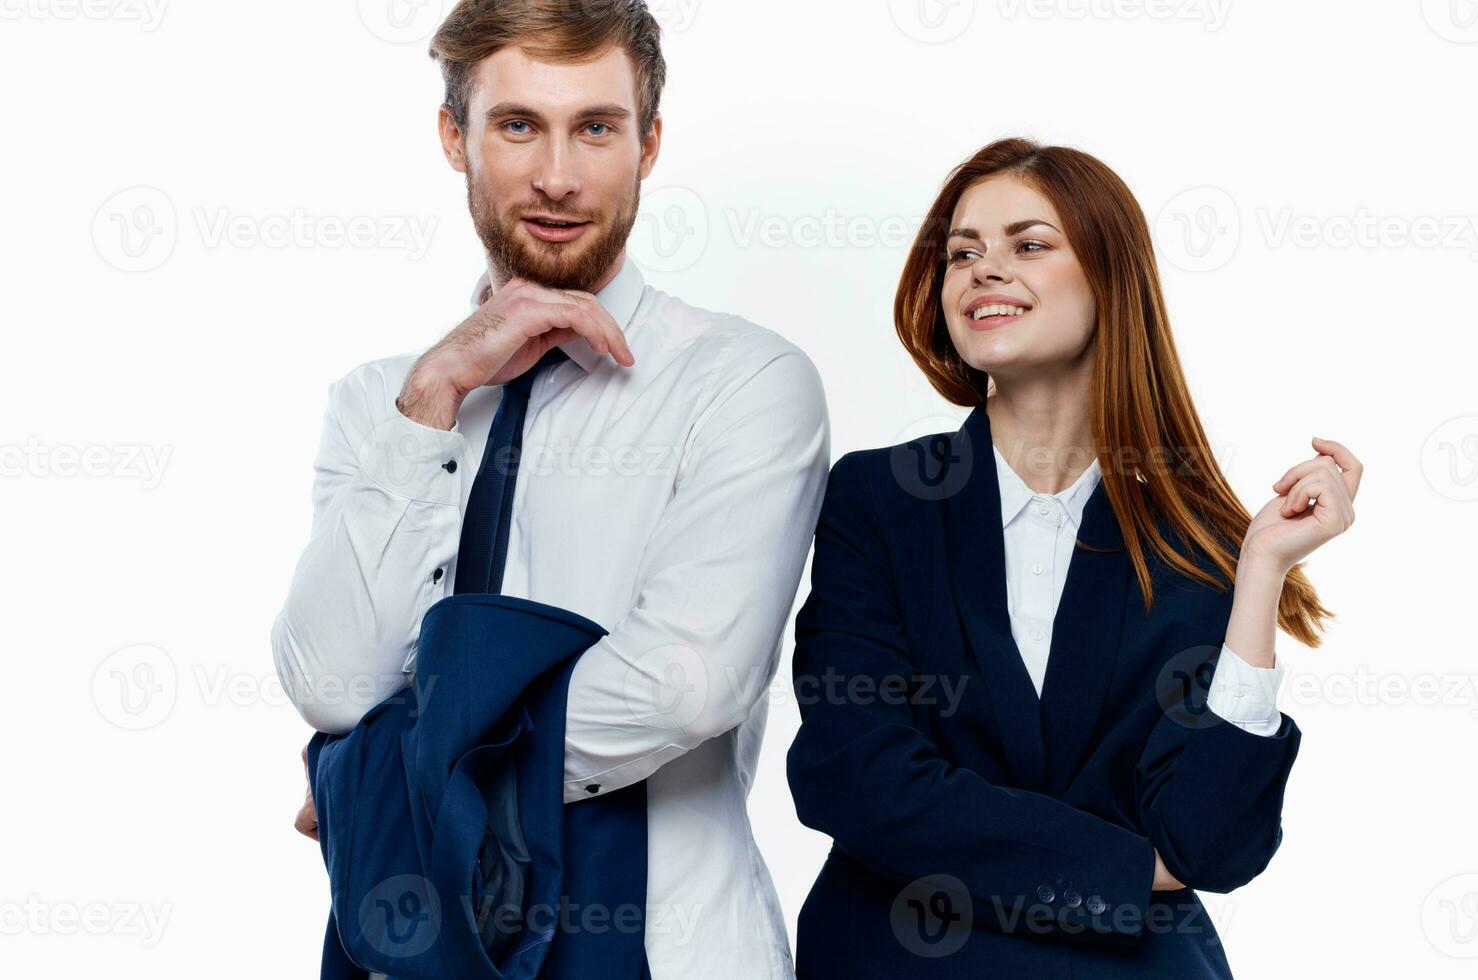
1042 427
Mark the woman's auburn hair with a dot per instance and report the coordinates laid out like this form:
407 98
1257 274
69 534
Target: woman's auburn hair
1156 461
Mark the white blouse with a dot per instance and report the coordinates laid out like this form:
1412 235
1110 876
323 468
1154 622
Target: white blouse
1040 530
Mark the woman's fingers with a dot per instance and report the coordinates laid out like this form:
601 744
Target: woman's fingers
1311 486
1331 494
1351 469
1295 474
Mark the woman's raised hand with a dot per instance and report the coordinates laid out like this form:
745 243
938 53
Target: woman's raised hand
1315 503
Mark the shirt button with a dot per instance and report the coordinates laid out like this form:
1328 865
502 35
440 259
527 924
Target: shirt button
1037 568
1096 905
1044 509
1045 893
436 575
1071 899
1036 634
450 466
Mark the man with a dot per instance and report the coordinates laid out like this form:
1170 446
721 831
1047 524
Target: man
672 473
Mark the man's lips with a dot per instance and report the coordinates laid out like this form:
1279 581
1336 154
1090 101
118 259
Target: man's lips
554 229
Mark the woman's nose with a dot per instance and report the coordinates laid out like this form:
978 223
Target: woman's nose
989 268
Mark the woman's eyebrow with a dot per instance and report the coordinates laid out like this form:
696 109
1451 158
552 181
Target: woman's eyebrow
1014 228
1017 227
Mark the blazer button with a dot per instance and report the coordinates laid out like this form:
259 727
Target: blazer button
1096 905
1045 893
450 466
1071 899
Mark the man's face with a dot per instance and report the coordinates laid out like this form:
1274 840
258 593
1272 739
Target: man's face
554 161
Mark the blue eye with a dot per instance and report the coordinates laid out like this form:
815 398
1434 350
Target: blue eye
517 122
600 126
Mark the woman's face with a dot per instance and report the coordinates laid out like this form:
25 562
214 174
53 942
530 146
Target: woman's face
1016 301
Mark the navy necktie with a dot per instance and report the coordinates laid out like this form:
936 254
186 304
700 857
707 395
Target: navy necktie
484 544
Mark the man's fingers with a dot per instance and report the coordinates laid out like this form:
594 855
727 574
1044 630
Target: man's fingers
579 311
610 330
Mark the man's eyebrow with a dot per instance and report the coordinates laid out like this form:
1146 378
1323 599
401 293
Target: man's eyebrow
606 111
1014 228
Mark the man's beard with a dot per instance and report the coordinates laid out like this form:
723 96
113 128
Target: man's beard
557 265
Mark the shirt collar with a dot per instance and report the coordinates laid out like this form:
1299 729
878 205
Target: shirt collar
620 297
1015 494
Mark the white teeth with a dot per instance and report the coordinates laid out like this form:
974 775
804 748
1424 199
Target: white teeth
997 309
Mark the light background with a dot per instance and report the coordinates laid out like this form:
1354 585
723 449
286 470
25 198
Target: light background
1309 168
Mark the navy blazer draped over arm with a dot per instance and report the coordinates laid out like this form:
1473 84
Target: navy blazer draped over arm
980 830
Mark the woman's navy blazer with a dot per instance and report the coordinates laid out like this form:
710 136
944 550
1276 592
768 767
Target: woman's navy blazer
982 831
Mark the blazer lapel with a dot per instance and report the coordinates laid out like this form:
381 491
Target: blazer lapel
1085 640
976 550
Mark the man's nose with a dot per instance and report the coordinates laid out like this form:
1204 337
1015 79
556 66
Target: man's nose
556 178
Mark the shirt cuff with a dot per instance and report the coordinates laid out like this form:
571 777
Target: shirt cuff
1245 695
415 461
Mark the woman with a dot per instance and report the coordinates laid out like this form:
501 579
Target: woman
1036 666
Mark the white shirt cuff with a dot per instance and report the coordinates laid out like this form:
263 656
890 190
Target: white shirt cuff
416 461
1245 695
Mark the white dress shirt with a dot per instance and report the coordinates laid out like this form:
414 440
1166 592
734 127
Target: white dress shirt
1040 530
673 503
